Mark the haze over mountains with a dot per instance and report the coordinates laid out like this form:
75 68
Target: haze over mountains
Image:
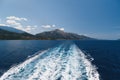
7 28
9 33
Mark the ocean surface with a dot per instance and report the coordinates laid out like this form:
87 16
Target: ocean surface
59 60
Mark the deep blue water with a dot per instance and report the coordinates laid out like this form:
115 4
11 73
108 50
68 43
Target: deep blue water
106 54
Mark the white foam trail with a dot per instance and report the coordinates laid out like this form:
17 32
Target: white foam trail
65 62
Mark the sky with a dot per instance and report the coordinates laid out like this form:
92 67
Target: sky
95 18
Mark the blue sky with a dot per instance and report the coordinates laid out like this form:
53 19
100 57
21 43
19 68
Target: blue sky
95 18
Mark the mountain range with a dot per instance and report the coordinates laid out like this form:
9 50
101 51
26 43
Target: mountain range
60 35
7 28
9 33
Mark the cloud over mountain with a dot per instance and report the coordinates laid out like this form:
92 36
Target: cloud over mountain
22 23
52 27
62 29
17 22
48 26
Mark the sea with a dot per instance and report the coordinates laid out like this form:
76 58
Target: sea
59 60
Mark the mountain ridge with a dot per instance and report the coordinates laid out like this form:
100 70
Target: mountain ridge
8 28
47 35
11 35
59 34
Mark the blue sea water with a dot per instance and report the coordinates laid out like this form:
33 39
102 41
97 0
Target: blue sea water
105 55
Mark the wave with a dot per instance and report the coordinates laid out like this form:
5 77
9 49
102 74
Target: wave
64 62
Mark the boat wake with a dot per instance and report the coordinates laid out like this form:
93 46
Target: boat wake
64 62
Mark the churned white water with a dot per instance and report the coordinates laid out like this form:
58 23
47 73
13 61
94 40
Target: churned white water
64 62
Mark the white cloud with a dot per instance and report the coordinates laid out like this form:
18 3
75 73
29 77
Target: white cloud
19 23
16 18
62 29
51 27
1 24
16 22
48 26
29 28
4 25
13 22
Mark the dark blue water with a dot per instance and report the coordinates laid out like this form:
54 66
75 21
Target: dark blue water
106 54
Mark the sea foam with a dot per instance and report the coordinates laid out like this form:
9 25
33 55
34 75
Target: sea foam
64 62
